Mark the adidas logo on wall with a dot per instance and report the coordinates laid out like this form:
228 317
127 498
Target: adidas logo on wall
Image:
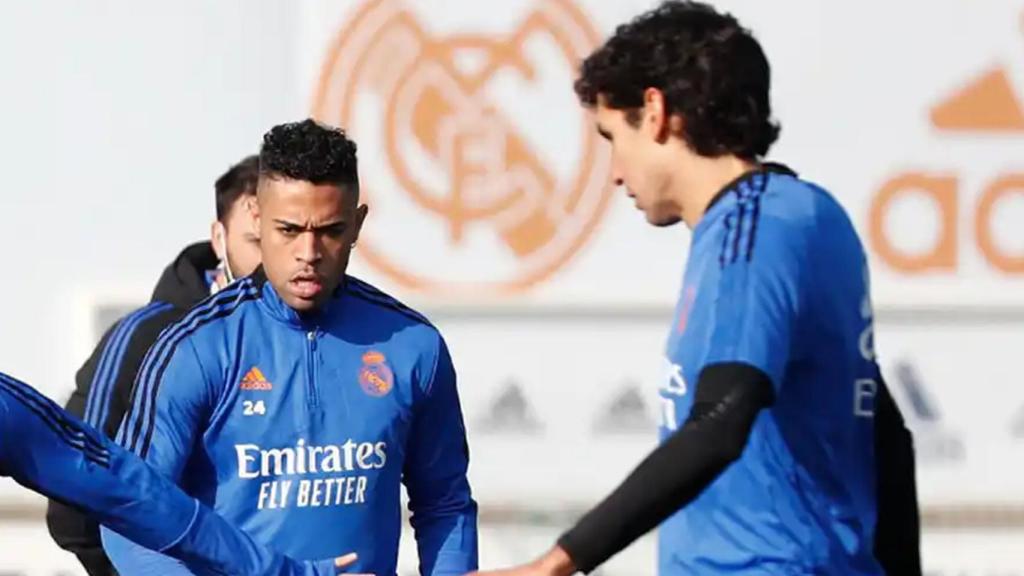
934 441
510 413
626 414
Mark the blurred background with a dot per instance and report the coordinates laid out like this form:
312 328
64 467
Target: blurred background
116 118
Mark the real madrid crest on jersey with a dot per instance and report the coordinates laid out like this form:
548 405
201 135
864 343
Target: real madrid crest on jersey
375 376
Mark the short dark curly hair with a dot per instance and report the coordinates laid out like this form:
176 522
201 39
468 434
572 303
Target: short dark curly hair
312 152
711 70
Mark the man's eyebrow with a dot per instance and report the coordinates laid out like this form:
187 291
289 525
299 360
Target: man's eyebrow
330 224
324 226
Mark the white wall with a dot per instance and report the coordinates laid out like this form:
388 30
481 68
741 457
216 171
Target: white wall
117 117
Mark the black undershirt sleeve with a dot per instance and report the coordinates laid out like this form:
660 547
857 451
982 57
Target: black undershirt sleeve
727 399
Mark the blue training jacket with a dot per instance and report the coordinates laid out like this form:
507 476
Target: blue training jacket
300 428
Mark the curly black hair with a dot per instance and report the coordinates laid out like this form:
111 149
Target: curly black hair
711 70
310 151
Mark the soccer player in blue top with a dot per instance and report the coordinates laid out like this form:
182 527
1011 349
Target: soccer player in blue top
768 460
50 451
296 401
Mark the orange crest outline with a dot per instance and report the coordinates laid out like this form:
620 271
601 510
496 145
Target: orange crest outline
494 177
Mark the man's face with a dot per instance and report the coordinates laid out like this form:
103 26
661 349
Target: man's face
239 235
306 235
640 162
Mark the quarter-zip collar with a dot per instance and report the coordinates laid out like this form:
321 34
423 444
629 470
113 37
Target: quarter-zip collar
275 307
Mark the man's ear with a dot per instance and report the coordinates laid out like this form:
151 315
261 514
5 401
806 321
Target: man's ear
218 237
252 204
655 120
361 213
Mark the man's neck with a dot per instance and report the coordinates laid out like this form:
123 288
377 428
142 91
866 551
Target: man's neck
705 178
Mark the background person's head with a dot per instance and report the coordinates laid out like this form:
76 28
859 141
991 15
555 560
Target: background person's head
680 91
308 210
233 234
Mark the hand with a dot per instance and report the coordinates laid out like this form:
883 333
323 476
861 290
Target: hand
555 563
345 561
332 567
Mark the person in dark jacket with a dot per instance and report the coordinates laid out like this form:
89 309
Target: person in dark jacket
103 384
898 528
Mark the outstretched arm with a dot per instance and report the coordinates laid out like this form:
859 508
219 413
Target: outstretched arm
47 450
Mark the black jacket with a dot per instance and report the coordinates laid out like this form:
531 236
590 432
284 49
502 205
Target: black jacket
898 528
117 359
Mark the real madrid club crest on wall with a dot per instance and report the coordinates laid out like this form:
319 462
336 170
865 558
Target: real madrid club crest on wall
482 172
